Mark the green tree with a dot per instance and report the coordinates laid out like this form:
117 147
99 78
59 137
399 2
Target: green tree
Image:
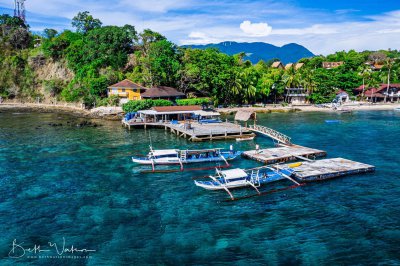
84 22
56 47
10 21
249 80
101 47
161 65
147 37
50 33
365 72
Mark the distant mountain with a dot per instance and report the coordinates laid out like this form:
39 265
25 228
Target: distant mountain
256 51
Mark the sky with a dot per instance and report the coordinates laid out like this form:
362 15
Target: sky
322 26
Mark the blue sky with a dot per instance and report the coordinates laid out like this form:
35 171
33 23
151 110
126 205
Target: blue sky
323 26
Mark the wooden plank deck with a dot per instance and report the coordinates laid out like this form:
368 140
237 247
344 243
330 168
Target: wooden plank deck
283 154
329 168
199 131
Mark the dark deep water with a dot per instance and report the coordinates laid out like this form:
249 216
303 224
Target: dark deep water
79 184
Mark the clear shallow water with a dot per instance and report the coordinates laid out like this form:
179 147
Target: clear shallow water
79 183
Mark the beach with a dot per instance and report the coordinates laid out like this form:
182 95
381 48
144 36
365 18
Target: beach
312 108
116 113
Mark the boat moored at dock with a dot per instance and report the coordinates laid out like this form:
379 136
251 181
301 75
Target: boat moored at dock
239 178
180 157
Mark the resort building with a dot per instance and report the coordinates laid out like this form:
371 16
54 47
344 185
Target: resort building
298 66
130 91
162 92
288 66
162 114
126 90
375 66
379 94
277 64
342 97
330 65
297 95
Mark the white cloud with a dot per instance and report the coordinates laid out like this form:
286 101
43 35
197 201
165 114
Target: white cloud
255 29
316 29
155 6
197 37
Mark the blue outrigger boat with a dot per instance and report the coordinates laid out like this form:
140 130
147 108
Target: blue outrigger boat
180 157
239 178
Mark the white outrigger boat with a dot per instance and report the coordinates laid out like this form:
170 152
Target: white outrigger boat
180 157
239 178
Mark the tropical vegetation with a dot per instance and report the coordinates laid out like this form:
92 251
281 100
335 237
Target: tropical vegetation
94 56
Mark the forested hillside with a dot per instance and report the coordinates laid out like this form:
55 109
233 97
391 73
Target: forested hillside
77 66
257 51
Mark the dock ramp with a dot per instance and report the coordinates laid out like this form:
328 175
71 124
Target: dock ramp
269 132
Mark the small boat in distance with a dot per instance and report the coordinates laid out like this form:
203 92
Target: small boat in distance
332 121
397 109
180 157
239 178
244 139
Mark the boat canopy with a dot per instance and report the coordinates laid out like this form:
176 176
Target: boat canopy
234 173
164 152
206 113
202 151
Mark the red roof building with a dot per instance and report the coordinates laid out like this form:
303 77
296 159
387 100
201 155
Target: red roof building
162 92
177 108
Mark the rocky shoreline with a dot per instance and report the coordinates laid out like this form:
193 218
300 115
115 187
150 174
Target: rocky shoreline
107 113
116 113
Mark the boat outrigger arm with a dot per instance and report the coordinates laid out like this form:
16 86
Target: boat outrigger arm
251 184
227 190
223 158
284 175
223 186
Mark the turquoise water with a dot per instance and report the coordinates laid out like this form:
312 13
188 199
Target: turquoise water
78 183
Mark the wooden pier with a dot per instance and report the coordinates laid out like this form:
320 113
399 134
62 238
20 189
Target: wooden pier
328 168
283 154
198 131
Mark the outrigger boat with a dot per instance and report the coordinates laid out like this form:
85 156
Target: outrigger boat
180 157
239 178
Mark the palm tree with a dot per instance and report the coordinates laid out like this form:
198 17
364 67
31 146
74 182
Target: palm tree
365 72
235 83
249 82
307 80
389 64
291 78
372 83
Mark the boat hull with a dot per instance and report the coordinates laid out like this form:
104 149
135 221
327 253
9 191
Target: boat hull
220 184
175 160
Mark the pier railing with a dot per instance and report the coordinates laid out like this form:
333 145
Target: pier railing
271 133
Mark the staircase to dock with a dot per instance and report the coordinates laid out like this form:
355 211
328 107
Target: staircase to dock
269 132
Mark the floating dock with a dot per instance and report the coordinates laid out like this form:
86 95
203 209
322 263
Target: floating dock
328 168
283 154
199 131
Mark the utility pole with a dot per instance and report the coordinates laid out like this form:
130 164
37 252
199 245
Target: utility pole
19 9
